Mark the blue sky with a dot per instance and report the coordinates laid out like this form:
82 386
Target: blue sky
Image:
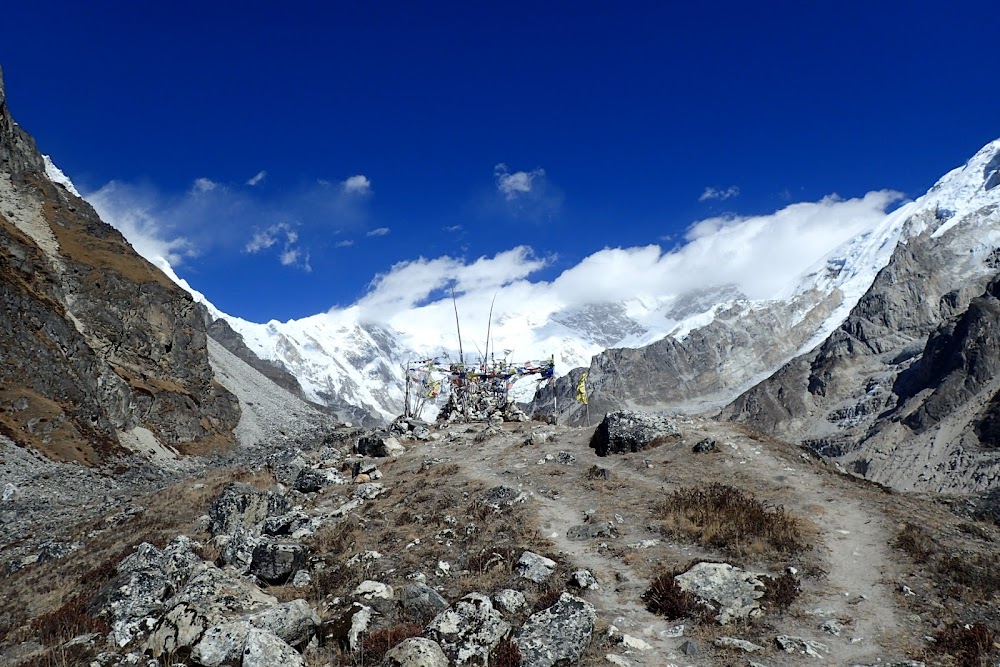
286 154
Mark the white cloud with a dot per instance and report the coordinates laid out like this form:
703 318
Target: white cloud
514 185
452 228
357 185
722 194
346 243
287 237
131 211
379 231
204 185
258 178
758 255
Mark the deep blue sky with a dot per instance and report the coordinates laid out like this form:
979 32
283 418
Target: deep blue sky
631 109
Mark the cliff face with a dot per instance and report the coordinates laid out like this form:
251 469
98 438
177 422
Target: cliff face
98 349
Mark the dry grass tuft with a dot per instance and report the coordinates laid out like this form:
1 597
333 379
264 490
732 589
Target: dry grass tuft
968 576
505 654
727 518
970 645
68 621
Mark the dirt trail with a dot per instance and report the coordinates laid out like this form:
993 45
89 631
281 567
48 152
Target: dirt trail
851 544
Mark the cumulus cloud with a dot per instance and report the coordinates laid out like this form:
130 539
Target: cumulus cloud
204 185
527 194
258 178
286 237
718 193
357 185
379 231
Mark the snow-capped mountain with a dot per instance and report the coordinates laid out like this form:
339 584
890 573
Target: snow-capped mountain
711 340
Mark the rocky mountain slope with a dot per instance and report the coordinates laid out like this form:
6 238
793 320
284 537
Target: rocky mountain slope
100 351
903 391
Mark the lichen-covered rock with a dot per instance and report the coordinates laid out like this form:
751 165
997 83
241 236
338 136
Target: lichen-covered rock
285 524
277 562
468 630
535 568
584 579
368 491
237 549
295 622
558 635
264 649
624 431
510 601
209 598
221 643
733 593
372 590
241 505
415 652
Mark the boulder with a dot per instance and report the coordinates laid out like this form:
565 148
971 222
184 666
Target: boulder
264 649
348 628
285 524
367 491
535 568
223 643
733 593
415 652
558 635
369 468
583 579
277 562
510 601
625 431
468 630
379 446
240 504
703 446
294 622
311 480
372 590
210 597
419 602
238 548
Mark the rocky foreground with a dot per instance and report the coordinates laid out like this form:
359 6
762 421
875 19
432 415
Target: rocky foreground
688 542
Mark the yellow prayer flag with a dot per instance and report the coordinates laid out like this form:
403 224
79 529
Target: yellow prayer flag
581 389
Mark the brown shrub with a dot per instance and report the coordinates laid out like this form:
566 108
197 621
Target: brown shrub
378 642
969 576
970 645
917 542
781 592
68 621
505 654
666 598
727 518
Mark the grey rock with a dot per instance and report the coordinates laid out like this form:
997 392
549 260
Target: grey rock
584 579
294 622
690 648
238 548
624 431
557 635
285 524
739 644
704 446
221 644
790 644
241 505
348 629
468 630
500 498
419 602
510 601
311 480
415 652
263 649
379 446
277 562
733 593
535 568
367 491
589 531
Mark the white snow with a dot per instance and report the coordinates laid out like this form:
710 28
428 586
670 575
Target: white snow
56 175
